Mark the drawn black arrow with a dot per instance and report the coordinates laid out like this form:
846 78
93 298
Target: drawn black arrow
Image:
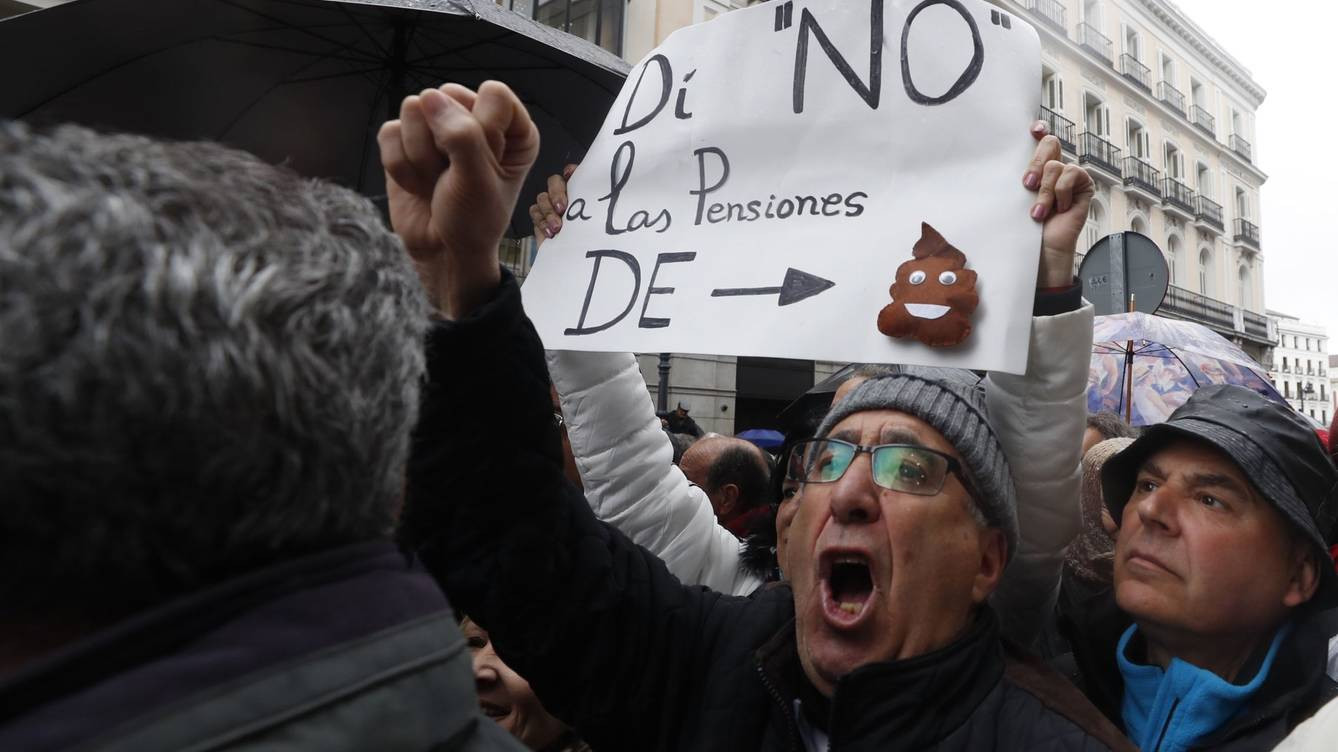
797 286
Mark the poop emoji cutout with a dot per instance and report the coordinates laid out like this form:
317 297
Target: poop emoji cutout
933 296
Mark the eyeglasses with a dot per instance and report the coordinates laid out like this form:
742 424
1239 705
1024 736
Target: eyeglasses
897 467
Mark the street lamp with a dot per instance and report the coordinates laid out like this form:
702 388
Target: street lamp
1309 393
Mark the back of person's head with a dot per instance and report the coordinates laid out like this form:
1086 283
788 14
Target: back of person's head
1110 426
209 364
746 466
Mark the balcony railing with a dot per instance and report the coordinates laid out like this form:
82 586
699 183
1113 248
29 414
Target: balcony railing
1255 325
1099 152
1140 174
1171 96
1050 11
1200 308
1176 194
1206 122
1095 42
1063 128
1209 212
1136 71
1247 232
1240 146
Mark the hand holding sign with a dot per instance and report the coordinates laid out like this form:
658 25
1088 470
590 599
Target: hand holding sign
454 162
1064 194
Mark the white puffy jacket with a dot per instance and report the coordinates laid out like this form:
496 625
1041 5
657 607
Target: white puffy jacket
625 461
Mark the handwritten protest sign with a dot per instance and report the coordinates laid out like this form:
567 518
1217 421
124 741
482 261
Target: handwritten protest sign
826 179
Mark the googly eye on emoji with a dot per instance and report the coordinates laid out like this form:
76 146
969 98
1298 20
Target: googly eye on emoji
933 295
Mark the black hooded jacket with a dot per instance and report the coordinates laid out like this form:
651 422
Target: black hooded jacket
615 646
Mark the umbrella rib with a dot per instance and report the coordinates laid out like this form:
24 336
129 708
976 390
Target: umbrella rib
324 56
384 52
247 109
299 29
1188 370
371 120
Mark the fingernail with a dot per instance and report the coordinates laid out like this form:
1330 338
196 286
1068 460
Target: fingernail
431 105
1039 127
553 228
1039 211
547 232
560 206
1032 181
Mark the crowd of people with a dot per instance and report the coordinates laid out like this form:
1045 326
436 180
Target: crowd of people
280 477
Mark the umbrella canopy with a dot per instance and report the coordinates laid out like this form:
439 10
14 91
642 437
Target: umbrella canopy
764 437
1167 360
301 82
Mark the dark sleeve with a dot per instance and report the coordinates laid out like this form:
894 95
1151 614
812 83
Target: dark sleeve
1052 301
606 636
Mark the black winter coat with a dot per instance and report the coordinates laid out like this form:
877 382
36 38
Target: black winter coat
615 645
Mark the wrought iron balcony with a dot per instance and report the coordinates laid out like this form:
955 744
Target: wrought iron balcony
1050 11
1136 71
1177 195
1099 152
1095 42
1063 128
1201 308
1206 122
1247 232
1208 212
1171 96
1241 147
1141 175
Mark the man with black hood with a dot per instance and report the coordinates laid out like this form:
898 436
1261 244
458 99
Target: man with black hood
1215 634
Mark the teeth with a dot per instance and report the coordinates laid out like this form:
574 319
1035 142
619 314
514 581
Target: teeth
850 608
849 560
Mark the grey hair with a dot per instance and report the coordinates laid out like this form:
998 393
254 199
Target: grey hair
209 364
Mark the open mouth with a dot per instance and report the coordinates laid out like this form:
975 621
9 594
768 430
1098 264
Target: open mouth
495 712
926 310
847 589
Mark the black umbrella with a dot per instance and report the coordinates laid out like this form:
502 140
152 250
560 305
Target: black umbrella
302 82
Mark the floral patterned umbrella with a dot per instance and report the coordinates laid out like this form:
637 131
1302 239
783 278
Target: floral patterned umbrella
1166 360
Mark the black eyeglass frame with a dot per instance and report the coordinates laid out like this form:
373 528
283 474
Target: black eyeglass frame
954 466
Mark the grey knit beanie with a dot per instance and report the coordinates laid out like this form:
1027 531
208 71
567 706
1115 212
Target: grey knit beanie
956 409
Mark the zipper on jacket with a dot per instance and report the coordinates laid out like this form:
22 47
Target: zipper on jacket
1167 725
786 709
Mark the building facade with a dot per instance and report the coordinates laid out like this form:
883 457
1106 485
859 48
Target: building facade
1159 113
1300 367
1163 118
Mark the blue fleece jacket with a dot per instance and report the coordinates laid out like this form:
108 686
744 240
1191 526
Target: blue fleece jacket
1169 710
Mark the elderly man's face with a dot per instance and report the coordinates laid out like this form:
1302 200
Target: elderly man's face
880 575
1201 554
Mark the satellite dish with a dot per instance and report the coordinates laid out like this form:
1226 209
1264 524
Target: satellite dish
1121 266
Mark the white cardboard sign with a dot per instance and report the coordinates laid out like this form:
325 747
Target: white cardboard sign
763 179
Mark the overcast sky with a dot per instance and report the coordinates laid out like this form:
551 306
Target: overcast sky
1289 46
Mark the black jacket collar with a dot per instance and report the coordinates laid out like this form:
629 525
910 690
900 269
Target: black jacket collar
909 704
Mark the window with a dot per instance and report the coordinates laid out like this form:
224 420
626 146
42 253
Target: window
1173 161
1136 140
1096 115
1237 125
1133 43
1167 69
1091 12
1245 287
1172 256
1205 179
1287 389
1242 203
1095 228
1196 92
1052 91
1205 265
1284 358
598 21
